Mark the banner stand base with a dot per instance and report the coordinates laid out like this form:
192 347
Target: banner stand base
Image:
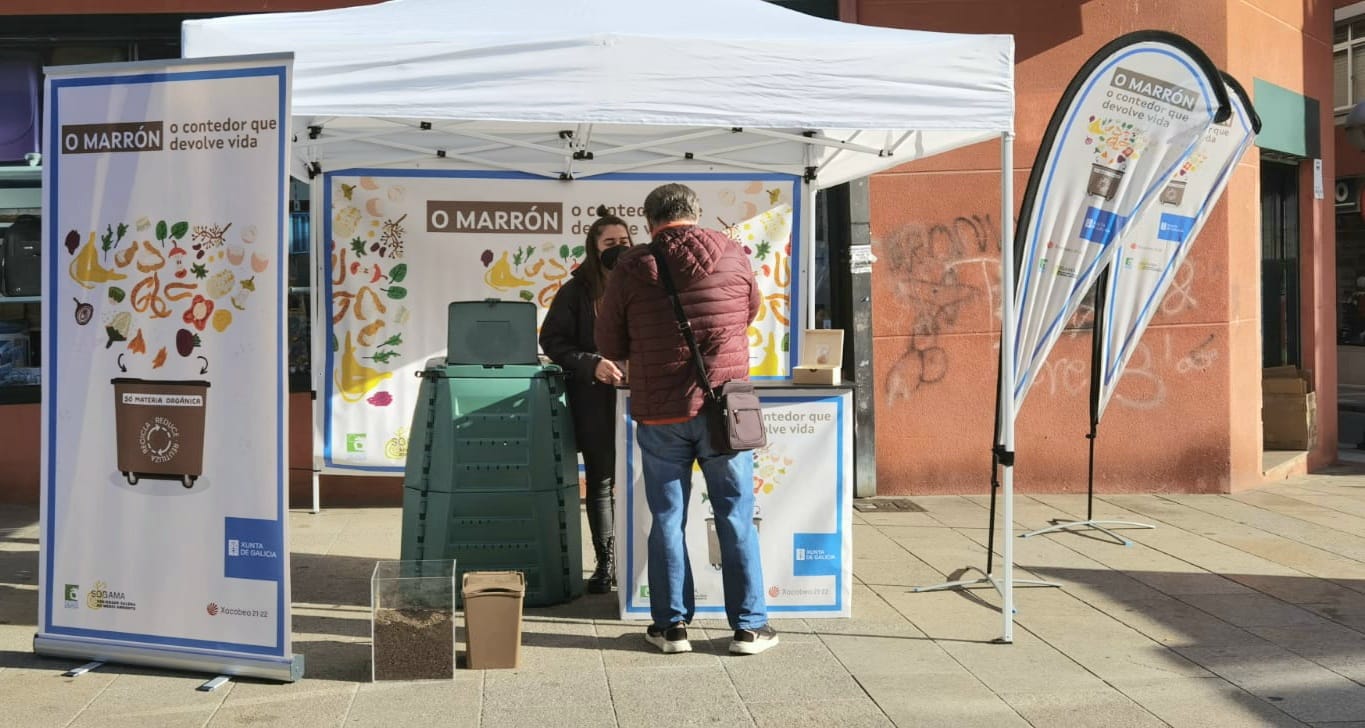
87 667
281 669
984 580
213 684
1072 526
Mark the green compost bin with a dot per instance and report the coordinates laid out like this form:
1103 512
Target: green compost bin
491 479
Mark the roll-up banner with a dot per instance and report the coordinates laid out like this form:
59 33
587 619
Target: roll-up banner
164 420
1157 242
1128 121
403 244
803 512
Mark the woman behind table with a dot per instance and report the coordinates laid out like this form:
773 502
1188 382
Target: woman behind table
567 338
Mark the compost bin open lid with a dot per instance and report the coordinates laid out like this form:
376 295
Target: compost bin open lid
491 332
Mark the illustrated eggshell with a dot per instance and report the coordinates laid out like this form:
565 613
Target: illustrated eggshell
258 263
249 234
368 183
375 207
396 193
235 254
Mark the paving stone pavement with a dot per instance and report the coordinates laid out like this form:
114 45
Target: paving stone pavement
1237 610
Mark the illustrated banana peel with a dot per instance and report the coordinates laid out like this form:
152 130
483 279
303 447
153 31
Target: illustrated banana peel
501 277
771 363
354 379
86 270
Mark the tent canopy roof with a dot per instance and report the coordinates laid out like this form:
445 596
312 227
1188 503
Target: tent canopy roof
517 73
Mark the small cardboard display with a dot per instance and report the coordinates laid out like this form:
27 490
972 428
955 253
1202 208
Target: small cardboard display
1289 409
492 618
822 357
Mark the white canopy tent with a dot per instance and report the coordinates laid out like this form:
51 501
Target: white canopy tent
640 83
569 89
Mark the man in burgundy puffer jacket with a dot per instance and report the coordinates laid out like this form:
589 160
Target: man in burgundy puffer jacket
636 322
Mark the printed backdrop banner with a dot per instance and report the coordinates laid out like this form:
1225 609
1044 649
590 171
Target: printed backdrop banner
1126 123
164 413
1158 240
404 244
803 486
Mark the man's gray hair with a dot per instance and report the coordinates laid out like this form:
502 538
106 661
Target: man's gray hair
672 202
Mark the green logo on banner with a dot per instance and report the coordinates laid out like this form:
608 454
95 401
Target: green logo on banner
355 442
72 592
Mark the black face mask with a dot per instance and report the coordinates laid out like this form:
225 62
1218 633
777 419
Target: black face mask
609 256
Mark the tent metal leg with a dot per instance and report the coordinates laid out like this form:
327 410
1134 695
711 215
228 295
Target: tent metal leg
1004 452
1058 525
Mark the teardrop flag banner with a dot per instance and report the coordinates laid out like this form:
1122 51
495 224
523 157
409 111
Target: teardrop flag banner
1131 117
1160 238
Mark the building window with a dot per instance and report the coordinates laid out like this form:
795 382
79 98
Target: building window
1348 65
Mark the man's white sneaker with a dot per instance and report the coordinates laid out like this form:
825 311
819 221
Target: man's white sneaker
752 642
670 640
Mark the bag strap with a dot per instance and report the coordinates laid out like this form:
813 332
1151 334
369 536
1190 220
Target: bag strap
684 325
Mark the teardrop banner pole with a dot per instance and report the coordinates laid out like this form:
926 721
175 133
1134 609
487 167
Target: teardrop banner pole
1152 249
1002 455
1127 121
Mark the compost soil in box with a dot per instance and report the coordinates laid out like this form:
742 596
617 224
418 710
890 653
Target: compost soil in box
413 644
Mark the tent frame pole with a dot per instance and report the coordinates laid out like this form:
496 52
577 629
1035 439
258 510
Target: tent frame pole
1003 456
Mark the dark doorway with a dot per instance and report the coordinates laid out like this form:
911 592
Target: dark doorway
1280 295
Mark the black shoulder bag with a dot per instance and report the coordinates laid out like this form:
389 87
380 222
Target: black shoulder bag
734 413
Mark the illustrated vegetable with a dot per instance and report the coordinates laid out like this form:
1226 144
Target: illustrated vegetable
150 259
197 315
114 335
116 294
367 334
178 291
199 270
354 379
125 256
122 322
86 270
501 277
381 399
397 293
84 312
222 318
186 341
358 246
486 258
221 284
161 232
398 272
138 345
159 359
73 241
146 296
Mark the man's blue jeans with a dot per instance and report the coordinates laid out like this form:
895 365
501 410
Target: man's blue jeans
667 453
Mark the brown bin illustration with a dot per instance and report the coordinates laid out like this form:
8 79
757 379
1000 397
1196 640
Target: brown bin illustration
160 429
1173 193
1104 181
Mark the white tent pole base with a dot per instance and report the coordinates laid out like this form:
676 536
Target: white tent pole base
984 580
1072 526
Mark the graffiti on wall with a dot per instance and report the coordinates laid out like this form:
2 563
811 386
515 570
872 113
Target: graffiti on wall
946 277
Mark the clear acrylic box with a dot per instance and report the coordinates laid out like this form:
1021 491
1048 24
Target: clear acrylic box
412 620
